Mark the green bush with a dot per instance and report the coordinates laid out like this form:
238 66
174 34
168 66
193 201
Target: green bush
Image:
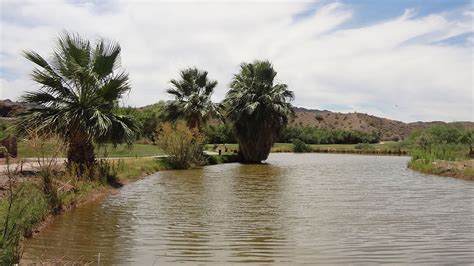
300 146
183 145
363 146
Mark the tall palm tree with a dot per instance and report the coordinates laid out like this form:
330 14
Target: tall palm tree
258 108
80 89
192 93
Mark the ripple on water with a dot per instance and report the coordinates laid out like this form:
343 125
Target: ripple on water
298 208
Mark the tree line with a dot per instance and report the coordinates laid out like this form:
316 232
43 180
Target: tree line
222 133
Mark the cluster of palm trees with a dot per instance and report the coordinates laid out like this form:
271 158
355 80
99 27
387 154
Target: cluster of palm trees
82 84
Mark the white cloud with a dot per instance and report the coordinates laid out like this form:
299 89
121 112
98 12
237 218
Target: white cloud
399 68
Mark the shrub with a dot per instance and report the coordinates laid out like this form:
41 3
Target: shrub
183 145
363 146
3 130
300 146
440 142
226 158
48 164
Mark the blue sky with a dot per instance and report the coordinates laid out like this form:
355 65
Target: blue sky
370 11
348 55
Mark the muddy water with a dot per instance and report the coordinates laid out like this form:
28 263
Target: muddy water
298 208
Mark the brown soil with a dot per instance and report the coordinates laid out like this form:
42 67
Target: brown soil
461 169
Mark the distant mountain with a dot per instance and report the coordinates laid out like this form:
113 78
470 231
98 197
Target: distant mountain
389 129
10 109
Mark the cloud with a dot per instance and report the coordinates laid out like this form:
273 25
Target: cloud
402 68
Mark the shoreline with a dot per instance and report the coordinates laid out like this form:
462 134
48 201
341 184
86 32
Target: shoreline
453 169
101 191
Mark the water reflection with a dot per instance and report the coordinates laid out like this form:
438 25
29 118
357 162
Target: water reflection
186 213
257 204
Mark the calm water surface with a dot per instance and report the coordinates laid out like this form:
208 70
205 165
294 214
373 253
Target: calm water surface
298 208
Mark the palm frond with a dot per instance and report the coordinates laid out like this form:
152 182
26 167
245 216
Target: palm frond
106 59
115 87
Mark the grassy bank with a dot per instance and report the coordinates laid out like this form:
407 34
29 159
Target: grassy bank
458 169
137 150
389 148
443 159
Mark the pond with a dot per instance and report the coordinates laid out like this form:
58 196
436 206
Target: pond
297 208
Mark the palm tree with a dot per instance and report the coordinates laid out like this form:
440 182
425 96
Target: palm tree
258 108
80 89
192 93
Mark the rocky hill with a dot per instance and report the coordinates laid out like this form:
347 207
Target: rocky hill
389 129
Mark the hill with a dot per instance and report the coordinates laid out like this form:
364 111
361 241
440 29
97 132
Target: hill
389 129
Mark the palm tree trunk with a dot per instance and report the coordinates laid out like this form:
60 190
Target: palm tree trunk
256 148
194 123
81 152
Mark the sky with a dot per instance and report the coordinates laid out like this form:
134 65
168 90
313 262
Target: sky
399 59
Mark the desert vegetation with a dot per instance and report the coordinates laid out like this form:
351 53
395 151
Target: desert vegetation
183 145
442 150
76 114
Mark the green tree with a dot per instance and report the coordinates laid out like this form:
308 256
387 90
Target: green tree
192 93
258 108
80 89
468 138
148 117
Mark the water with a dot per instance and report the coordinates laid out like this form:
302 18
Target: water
298 208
